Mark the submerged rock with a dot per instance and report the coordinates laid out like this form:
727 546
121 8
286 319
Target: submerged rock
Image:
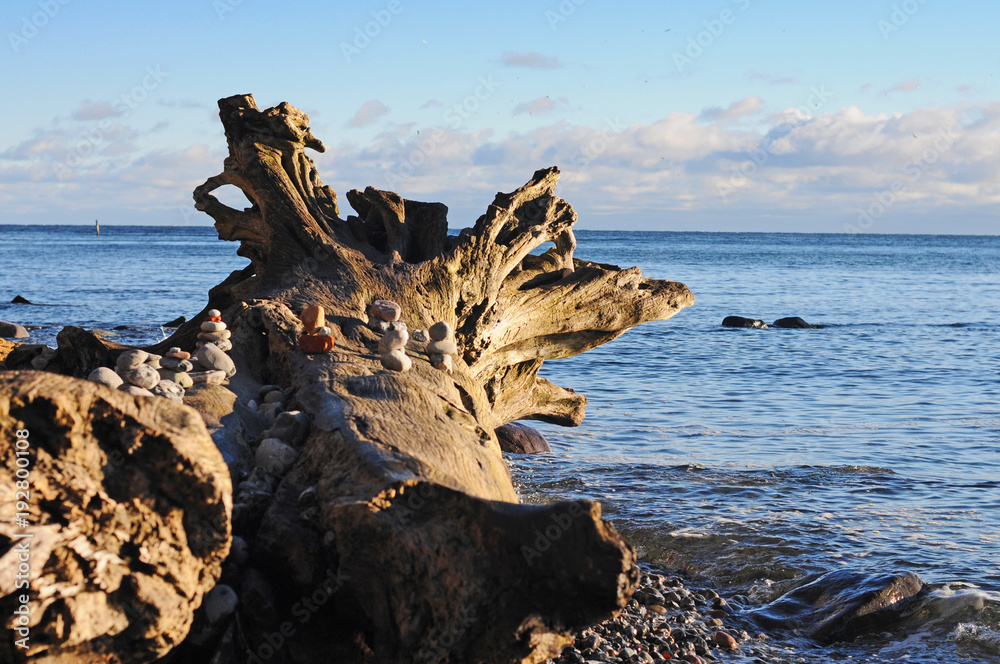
518 438
842 605
794 323
740 321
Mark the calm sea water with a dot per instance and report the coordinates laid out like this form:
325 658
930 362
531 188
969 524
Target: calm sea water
749 458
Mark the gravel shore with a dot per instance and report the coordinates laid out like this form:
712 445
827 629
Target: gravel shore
664 621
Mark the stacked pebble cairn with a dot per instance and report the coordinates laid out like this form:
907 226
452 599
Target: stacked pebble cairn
144 374
276 450
663 622
138 373
442 346
318 337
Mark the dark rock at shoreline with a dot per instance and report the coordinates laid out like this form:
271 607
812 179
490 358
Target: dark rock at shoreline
795 323
740 321
518 438
177 322
19 300
12 330
842 605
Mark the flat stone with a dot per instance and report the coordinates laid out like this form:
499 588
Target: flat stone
142 376
135 391
170 390
209 377
313 317
443 347
131 359
398 325
214 312
215 336
386 310
154 362
440 331
315 343
213 326
105 376
396 360
211 357
224 345
220 603
182 378
12 330
393 340
177 353
275 456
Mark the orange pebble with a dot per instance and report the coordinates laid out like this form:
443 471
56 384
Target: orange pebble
316 343
724 640
214 319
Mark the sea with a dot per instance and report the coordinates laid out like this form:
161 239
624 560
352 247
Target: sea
753 460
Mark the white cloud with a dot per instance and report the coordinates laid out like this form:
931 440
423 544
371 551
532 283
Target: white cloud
369 112
530 60
539 105
736 110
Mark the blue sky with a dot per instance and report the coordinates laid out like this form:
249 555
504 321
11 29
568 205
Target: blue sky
725 115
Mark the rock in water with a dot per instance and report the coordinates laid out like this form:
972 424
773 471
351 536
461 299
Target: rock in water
129 519
212 358
12 330
105 376
19 300
740 321
177 322
518 438
794 323
842 605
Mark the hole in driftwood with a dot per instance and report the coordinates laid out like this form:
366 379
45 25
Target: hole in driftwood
232 196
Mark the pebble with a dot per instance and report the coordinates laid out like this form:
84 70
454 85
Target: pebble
393 340
313 317
143 376
386 310
275 456
442 347
182 378
131 359
135 391
419 335
211 357
208 377
264 389
670 628
252 405
224 345
324 331
220 602
239 551
170 390
290 426
442 362
213 326
440 331
176 365
178 354
275 397
396 360
214 313
270 412
105 376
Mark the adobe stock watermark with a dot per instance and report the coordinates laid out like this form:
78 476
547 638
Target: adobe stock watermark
48 10
455 117
740 177
21 620
561 523
363 35
714 28
223 7
594 148
565 9
912 171
900 16
89 141
443 643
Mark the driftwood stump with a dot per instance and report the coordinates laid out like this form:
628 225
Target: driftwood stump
417 514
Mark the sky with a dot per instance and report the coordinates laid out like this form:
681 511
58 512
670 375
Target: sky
860 116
